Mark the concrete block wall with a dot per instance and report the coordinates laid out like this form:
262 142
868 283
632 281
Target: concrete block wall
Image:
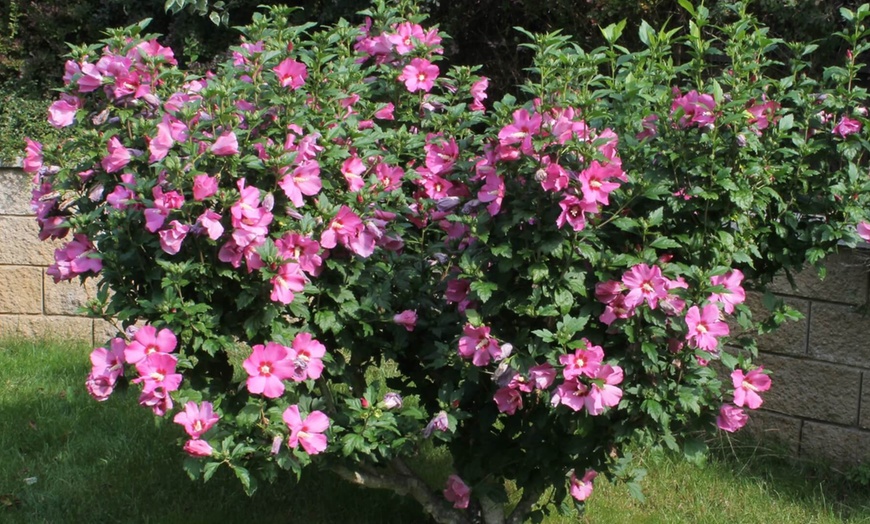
31 304
819 404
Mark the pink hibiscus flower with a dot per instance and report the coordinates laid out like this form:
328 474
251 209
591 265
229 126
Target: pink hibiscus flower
457 492
267 366
748 386
308 432
148 340
197 419
731 418
419 75
705 327
581 489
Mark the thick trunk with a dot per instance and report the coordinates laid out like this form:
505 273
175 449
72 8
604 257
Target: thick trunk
404 482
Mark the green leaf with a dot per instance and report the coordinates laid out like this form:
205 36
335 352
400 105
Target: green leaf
687 5
695 451
664 243
248 482
484 289
545 334
786 122
208 470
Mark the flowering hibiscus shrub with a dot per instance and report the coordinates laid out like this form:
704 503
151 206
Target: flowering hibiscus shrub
334 249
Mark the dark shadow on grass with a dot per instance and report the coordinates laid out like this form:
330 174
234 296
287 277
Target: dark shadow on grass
67 458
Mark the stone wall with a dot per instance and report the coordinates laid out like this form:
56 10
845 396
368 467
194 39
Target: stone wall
31 304
819 404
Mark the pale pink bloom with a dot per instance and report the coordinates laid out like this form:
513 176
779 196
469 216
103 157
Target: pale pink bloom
478 345
542 375
211 222
198 448
267 366
171 239
704 327
644 283
308 432
734 293
385 112
603 392
407 318
419 75
197 419
157 370
153 49
392 401
118 157
581 489
571 393
404 37
508 400
457 492
478 94
847 126
227 144
303 180
864 230
731 418
291 73
747 387
62 112
288 281
439 422
32 156
204 186
583 362
306 355
123 196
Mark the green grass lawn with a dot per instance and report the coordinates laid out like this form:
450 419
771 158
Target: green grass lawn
67 458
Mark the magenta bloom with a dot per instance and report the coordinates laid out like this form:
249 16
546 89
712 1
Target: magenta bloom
407 318
62 112
457 492
492 193
157 370
734 291
847 126
419 75
198 448
644 283
603 393
581 489
76 257
308 432
345 227
731 418
204 186
704 327
148 340
171 239
571 393
747 387
864 230
508 400
32 156
109 362
352 169
158 399
291 73
698 110
478 94
572 212
595 182
118 157
267 366
288 281
542 375
478 345
197 419
306 354
227 144
210 221
439 422
303 180
582 362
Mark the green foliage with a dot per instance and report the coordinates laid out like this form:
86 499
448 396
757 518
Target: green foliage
548 279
